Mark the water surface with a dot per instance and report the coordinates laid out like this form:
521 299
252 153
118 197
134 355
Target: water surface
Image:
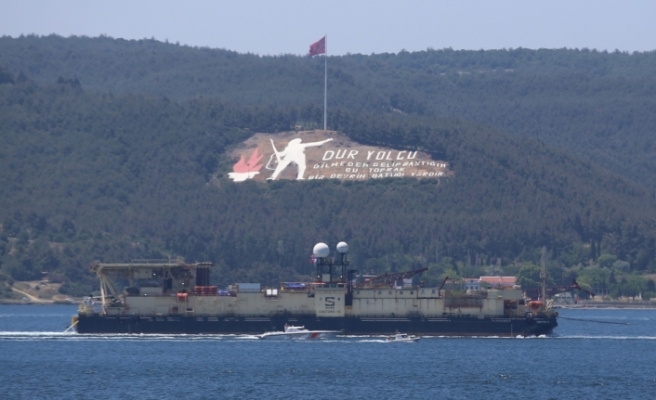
580 360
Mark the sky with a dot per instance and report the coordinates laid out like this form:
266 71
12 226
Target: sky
274 27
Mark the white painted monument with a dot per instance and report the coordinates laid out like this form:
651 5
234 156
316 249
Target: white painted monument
327 155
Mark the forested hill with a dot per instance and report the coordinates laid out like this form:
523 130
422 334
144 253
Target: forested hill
599 106
90 176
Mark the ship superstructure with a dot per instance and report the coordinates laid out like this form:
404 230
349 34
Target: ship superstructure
176 297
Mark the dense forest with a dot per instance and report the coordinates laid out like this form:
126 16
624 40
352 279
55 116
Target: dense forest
98 163
600 106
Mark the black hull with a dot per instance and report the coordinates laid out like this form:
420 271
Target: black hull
447 326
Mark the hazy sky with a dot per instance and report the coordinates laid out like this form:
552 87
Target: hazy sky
353 26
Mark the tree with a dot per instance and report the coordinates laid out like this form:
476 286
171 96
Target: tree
606 260
5 75
529 276
633 286
596 278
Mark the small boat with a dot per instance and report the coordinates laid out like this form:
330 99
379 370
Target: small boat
298 332
402 337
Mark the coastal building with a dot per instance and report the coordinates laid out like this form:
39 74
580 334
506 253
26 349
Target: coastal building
472 284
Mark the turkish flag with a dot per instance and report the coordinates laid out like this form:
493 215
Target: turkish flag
318 47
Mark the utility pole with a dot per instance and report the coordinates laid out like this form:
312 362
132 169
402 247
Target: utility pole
325 86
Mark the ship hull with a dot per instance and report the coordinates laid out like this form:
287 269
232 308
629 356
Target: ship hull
446 326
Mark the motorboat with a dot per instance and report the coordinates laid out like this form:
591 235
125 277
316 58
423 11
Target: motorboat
298 332
402 337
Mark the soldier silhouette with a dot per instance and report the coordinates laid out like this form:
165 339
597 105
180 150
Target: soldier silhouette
293 153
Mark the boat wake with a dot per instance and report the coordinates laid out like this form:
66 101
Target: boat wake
32 334
72 336
588 337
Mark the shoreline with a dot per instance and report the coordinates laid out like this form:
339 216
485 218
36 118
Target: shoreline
49 303
618 306
27 296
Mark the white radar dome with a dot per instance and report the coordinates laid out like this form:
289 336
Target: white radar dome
342 247
321 250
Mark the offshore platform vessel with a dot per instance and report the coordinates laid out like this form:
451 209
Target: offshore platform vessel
177 298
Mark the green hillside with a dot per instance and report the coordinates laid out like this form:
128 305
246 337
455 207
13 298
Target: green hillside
597 106
89 175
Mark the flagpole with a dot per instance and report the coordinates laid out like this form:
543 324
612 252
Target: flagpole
325 85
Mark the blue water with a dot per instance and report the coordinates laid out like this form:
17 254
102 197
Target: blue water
581 360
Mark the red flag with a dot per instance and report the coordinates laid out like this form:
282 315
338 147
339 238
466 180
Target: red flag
318 47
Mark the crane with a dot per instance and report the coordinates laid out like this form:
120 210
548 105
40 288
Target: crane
550 291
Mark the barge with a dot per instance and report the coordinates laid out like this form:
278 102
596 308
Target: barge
150 297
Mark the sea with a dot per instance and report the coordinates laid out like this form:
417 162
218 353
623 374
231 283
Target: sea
592 354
